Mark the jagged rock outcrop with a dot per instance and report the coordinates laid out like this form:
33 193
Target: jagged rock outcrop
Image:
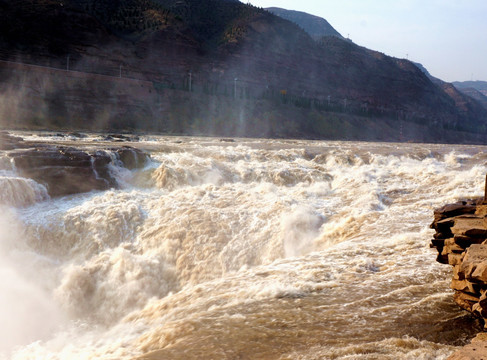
67 170
461 241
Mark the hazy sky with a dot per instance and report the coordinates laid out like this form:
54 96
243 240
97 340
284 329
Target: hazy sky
449 37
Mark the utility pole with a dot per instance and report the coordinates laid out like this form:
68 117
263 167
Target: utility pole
485 194
67 63
235 88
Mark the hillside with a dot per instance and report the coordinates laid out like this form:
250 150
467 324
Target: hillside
468 100
475 94
478 85
315 26
215 67
474 89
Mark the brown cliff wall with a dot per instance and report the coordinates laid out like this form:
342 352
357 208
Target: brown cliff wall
40 97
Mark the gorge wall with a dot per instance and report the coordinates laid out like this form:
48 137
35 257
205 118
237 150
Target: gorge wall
41 97
212 68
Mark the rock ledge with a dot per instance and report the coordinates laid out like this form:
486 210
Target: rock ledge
68 170
461 241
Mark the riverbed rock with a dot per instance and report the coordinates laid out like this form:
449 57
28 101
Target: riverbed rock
121 137
132 158
76 134
67 170
9 142
64 170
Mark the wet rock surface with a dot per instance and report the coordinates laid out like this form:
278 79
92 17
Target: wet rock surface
67 170
120 137
132 158
9 142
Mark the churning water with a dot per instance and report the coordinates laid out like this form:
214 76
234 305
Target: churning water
255 249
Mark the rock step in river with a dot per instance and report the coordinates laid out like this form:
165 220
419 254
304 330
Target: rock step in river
67 170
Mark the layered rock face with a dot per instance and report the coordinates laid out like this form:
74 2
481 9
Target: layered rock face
461 241
66 170
9 142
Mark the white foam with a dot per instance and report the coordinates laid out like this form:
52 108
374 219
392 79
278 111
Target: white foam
27 310
18 191
213 239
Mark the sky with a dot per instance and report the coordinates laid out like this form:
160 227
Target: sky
449 37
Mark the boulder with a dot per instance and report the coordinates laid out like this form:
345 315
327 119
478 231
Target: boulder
132 158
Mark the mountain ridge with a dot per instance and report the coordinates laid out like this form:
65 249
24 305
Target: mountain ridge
480 86
465 98
225 51
315 26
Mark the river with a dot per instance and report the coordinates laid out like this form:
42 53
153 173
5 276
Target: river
244 249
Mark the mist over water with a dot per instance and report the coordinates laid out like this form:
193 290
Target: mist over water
27 310
257 249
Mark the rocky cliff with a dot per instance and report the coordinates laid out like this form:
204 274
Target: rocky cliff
461 230
210 62
461 241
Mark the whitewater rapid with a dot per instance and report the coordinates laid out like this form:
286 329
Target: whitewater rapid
253 249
